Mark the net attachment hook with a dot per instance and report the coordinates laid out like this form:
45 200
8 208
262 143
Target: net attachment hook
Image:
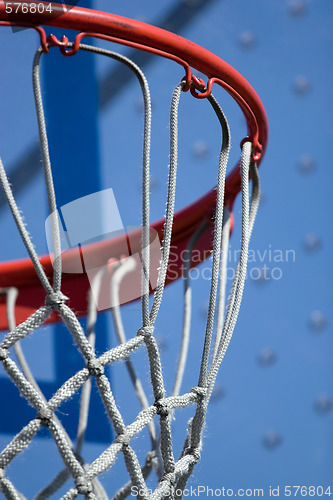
53 41
198 88
66 48
47 41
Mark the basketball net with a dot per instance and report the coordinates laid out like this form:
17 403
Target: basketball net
171 472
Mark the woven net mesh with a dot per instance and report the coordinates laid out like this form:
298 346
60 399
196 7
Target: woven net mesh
171 472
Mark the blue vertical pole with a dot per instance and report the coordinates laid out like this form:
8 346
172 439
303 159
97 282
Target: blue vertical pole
70 93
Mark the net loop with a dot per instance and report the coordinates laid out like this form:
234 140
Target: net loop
256 148
55 300
43 39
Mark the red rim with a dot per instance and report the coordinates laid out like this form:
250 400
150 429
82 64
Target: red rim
21 273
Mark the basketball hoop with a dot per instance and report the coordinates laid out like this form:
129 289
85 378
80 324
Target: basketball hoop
186 222
34 291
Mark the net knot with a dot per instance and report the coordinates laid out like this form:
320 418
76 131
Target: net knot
162 408
146 331
3 354
45 415
96 369
151 457
83 485
169 477
55 300
122 439
199 391
195 454
2 474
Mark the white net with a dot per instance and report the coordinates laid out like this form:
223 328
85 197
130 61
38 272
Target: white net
171 473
